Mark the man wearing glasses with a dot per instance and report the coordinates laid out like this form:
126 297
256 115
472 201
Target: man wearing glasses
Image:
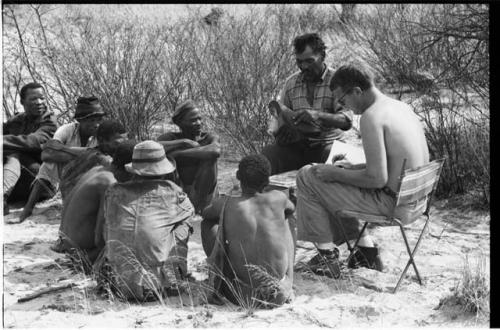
316 119
391 133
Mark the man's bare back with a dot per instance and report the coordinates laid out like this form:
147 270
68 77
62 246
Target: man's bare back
403 135
84 206
258 233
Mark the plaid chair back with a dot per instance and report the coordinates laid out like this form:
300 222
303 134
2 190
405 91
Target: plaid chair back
418 183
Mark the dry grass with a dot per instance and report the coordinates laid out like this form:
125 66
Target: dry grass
472 292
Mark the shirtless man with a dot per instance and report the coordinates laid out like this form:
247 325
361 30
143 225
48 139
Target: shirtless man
84 209
391 132
257 232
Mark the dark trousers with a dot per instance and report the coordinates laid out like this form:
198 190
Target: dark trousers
199 181
294 156
19 172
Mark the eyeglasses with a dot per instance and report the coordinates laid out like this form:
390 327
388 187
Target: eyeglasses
341 99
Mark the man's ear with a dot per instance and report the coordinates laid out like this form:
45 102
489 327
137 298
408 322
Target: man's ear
357 90
22 102
238 175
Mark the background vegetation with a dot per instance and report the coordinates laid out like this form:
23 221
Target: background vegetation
434 57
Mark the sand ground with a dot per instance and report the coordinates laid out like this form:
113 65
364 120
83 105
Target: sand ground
362 298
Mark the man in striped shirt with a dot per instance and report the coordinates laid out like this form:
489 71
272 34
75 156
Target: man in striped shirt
308 95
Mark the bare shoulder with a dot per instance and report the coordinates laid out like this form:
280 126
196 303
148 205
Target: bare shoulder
101 177
274 196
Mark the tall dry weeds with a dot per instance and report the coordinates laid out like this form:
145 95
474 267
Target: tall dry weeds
472 292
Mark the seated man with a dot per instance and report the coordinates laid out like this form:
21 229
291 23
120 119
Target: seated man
195 153
313 121
146 229
249 239
23 137
391 132
77 136
109 135
81 228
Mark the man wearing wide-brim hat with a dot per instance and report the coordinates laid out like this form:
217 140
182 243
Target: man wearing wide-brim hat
147 226
195 152
68 141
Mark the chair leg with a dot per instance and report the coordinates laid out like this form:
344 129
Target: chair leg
355 246
359 236
351 249
411 253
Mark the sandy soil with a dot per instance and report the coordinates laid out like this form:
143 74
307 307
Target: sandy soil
362 298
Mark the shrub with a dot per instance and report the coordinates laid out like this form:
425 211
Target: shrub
472 292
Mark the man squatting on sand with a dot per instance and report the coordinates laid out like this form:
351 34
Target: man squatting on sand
146 228
76 137
249 241
23 137
391 132
195 152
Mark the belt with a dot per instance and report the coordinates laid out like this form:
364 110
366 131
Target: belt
389 192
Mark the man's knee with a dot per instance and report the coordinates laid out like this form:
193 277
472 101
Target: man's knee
304 176
32 168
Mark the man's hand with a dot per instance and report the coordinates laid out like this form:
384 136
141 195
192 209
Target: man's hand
188 144
324 172
307 116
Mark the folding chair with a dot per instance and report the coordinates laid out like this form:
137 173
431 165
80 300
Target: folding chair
413 187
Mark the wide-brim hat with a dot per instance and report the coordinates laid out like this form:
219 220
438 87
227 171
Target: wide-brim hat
149 159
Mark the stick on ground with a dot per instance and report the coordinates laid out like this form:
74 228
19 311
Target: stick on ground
44 291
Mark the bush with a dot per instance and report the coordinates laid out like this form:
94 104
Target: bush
472 291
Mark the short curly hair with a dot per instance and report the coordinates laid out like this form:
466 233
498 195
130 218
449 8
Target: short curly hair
108 128
254 171
123 153
312 40
25 88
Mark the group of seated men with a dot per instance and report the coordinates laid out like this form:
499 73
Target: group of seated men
128 206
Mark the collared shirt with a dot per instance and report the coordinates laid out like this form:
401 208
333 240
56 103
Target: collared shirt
294 96
25 134
69 135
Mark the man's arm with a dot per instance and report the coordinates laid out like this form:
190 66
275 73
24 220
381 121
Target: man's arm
99 226
210 151
210 225
179 144
284 98
329 120
32 142
211 212
375 175
171 142
56 152
99 240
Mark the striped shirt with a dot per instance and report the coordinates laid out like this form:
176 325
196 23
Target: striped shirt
294 96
